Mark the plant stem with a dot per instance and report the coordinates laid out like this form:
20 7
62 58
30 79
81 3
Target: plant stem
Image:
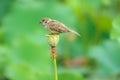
53 56
53 40
55 69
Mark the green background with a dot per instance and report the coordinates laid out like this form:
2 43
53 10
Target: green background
24 51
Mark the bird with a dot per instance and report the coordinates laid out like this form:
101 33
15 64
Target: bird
56 27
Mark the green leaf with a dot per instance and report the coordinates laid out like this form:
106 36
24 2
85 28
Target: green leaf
107 56
115 32
70 76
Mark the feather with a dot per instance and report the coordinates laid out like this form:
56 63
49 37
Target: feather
74 32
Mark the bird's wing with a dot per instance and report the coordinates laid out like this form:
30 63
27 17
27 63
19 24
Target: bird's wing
58 26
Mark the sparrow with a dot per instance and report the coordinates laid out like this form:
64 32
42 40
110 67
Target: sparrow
56 27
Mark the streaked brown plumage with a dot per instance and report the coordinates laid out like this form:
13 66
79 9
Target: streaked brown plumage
56 27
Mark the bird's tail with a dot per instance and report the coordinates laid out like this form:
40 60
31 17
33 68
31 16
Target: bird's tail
74 32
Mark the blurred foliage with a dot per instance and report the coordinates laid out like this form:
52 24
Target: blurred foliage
24 52
115 33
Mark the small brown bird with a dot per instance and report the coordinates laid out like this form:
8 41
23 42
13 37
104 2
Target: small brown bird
56 27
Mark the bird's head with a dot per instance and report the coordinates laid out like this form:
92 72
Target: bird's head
44 21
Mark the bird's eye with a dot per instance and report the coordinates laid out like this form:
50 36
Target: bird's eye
45 22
